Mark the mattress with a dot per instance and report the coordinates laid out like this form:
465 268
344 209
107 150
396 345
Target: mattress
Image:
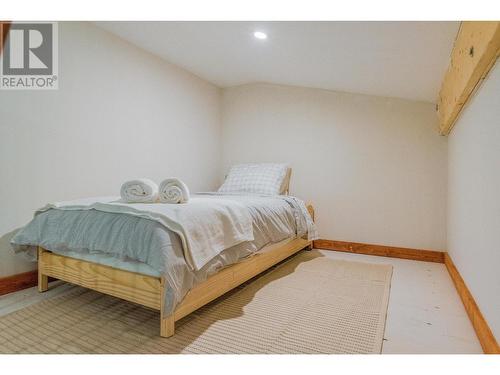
142 268
111 261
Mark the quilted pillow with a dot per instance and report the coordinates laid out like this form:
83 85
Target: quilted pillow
266 178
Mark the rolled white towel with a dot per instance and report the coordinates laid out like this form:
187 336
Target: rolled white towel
173 190
142 190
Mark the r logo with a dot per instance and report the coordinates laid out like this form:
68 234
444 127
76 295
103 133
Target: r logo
28 50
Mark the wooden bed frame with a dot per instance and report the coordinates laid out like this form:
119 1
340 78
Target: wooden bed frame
149 291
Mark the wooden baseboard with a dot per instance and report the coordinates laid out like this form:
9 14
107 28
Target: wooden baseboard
483 331
17 282
381 250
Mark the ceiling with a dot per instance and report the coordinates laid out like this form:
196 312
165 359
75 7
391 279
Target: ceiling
395 59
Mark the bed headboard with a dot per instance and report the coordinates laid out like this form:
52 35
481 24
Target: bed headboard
285 186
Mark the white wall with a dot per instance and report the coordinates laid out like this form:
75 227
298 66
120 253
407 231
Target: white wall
474 197
119 113
374 168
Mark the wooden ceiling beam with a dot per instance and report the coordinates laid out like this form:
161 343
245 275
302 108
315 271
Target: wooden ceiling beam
4 30
476 49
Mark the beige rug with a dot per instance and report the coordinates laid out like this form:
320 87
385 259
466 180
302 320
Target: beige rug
309 304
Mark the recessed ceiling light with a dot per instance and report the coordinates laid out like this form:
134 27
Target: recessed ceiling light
260 35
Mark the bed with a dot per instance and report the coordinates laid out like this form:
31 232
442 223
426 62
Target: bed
68 242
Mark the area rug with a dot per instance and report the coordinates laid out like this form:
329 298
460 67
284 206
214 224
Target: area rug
308 304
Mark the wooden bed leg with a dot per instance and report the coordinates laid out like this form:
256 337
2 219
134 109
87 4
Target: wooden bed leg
167 323
310 208
43 280
167 326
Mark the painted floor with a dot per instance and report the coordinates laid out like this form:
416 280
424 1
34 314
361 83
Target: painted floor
425 314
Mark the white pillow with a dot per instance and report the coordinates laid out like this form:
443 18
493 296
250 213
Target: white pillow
265 178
